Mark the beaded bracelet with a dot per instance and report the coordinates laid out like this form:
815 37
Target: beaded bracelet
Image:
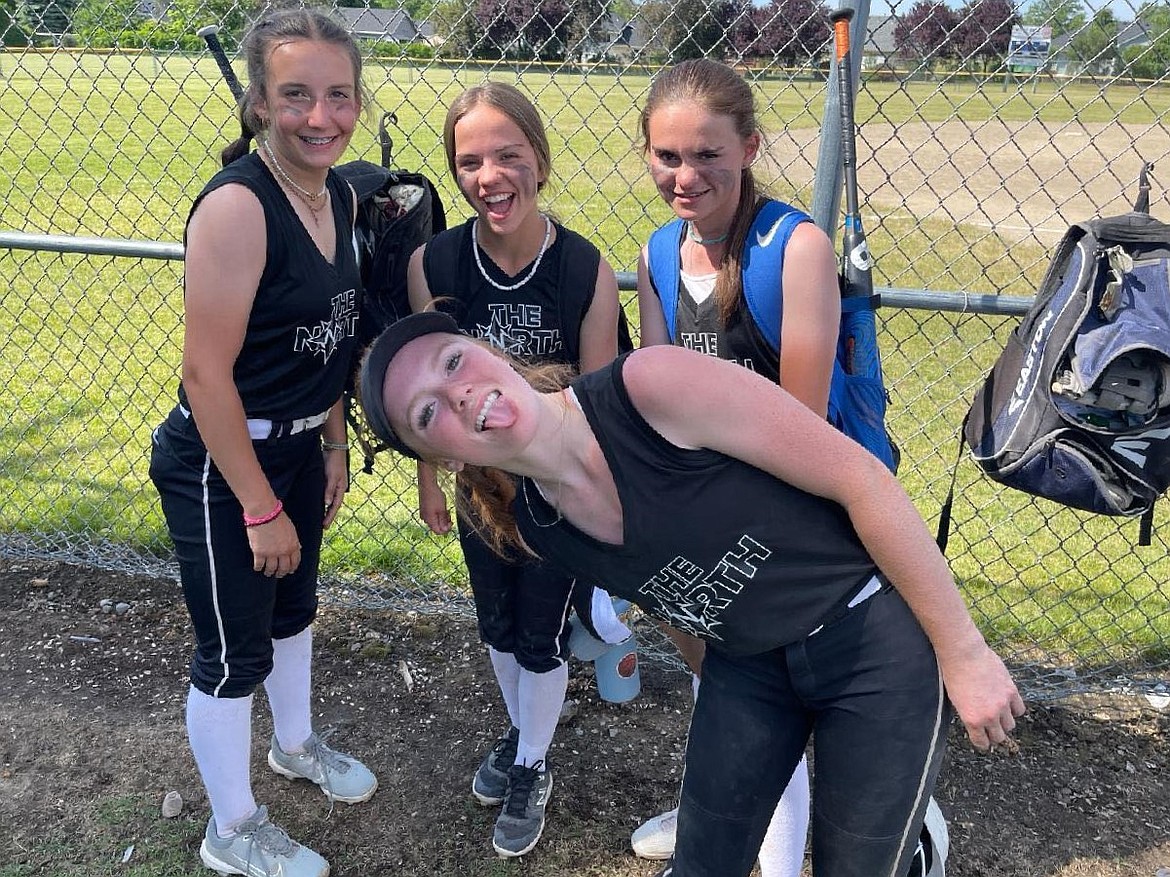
250 521
334 446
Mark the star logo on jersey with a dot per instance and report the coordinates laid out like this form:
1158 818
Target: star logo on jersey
325 337
519 330
503 338
692 599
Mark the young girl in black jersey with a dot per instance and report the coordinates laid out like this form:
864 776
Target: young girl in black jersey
701 138
515 277
718 503
251 463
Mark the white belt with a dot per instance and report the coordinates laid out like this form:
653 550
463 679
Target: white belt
260 429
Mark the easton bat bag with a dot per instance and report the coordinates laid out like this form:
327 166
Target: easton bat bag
1077 408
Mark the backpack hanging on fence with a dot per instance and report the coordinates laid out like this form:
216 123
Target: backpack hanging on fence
397 212
857 402
1077 408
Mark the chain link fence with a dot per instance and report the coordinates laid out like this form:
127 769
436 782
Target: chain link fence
983 132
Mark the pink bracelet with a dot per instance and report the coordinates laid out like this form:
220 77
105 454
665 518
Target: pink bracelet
249 521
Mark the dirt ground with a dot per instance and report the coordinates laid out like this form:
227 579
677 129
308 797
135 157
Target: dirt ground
91 739
1022 178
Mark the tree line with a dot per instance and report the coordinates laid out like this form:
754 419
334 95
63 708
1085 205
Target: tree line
980 32
790 33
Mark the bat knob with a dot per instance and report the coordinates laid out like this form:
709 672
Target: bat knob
208 30
845 13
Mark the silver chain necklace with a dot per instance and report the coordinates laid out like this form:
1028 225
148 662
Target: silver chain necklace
311 197
532 510
556 506
531 272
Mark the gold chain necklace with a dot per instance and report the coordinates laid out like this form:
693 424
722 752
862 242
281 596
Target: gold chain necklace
310 198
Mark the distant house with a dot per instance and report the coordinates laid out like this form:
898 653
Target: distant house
1063 61
614 39
879 48
382 25
1132 33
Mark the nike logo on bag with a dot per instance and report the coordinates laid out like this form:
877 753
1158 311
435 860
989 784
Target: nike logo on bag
764 239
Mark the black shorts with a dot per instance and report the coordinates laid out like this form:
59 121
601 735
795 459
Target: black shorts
522 605
237 612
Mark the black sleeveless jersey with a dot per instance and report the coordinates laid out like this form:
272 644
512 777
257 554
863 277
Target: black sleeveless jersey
711 545
534 322
698 326
301 336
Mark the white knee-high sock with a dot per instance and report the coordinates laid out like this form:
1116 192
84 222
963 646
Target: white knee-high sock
288 686
782 853
220 732
541 697
508 678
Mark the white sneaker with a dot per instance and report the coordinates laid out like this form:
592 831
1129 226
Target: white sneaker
341 777
935 825
654 838
259 848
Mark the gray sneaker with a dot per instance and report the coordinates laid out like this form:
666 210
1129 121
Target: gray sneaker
521 821
341 777
490 783
259 849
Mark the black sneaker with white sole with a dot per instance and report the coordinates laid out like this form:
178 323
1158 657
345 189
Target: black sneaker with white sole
490 783
521 822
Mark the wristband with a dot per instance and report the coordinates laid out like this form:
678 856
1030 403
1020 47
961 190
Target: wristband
334 446
250 521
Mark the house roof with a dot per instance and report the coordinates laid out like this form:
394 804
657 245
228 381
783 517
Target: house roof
880 37
395 24
1129 33
1132 33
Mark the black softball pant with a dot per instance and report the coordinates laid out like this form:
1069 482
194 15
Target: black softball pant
867 688
235 611
521 606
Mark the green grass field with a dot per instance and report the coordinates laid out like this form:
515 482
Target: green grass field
117 146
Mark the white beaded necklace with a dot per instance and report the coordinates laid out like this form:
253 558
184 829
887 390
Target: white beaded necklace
531 272
310 198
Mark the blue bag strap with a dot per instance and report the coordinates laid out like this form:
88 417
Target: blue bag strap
663 265
763 265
